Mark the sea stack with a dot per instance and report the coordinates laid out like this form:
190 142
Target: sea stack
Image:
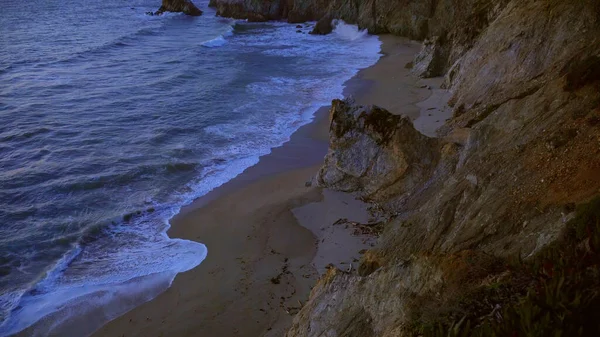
183 6
324 26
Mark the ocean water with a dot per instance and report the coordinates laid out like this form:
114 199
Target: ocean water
111 120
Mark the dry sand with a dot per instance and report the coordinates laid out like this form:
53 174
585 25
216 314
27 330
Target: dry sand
269 235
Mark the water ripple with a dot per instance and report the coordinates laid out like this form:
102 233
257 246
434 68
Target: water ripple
112 120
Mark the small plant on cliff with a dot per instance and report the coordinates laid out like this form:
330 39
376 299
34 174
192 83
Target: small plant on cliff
557 293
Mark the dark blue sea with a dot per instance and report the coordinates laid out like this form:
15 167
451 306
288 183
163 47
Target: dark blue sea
111 120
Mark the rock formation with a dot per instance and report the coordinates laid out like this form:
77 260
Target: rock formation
324 26
255 11
450 25
499 184
375 153
183 6
430 61
526 94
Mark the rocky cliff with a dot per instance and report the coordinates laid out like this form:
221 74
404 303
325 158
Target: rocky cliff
451 26
522 147
488 223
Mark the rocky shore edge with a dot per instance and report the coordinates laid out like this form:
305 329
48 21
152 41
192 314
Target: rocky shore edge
491 227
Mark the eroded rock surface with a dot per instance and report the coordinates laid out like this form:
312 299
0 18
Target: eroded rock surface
375 153
431 60
252 10
342 304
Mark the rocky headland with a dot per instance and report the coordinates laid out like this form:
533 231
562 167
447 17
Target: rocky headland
178 6
491 227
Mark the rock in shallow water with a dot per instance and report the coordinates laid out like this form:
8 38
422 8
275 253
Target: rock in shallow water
180 6
323 26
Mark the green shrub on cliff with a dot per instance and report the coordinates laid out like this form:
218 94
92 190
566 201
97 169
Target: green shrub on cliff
556 293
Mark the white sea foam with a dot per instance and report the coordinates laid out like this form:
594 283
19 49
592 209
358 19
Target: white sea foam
80 311
135 262
220 40
292 101
138 271
216 42
353 49
348 32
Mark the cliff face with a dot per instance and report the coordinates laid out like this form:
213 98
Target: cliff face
500 181
523 145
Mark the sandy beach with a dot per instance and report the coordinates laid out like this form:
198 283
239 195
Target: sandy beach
269 233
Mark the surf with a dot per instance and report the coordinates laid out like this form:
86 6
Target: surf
145 127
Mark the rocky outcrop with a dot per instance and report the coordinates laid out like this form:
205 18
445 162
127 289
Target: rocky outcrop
399 17
521 149
254 11
323 27
375 153
342 304
183 6
431 60
452 26
302 11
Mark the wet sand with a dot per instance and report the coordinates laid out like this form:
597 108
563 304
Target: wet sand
269 235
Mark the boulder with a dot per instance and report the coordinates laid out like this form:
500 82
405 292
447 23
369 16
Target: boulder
324 26
254 11
179 6
431 60
374 153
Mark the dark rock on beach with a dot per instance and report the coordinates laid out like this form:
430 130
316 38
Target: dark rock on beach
430 61
373 152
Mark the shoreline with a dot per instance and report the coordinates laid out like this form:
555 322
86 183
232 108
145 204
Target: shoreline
269 236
